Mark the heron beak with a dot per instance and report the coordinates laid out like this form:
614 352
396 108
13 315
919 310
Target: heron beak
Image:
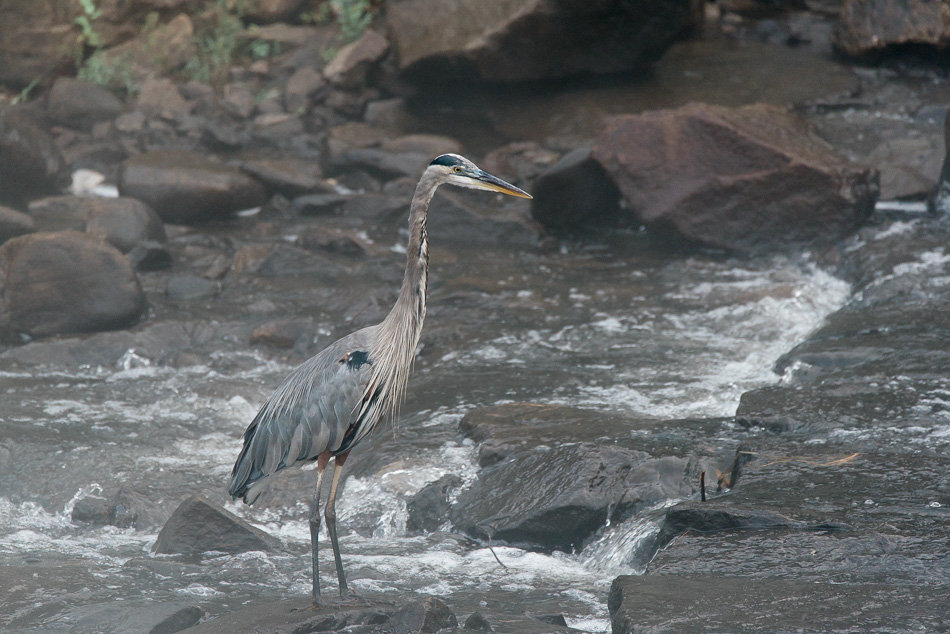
483 180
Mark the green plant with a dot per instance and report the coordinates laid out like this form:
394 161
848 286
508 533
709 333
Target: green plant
353 17
25 93
88 36
115 73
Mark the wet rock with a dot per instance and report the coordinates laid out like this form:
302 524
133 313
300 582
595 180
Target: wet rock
102 512
222 136
303 87
185 188
182 288
349 67
66 282
658 603
477 623
198 526
32 37
555 498
150 255
908 166
133 616
79 104
282 333
521 161
122 222
471 218
748 179
14 223
576 192
167 47
338 241
428 615
509 40
30 162
300 615
318 204
429 508
288 176
870 26
267 11
160 97
940 202
238 100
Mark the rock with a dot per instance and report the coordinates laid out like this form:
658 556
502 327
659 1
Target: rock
349 67
870 26
338 241
555 499
576 192
164 49
463 217
238 100
940 201
14 223
150 255
282 333
183 288
30 163
300 615
185 188
477 623
134 616
66 282
521 161
198 526
79 104
908 166
160 97
288 176
32 38
512 40
102 512
122 222
318 204
749 179
428 615
267 11
302 88
428 509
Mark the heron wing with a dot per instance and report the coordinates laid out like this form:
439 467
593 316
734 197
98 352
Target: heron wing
315 409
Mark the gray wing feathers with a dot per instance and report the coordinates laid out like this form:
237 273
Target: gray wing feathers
309 413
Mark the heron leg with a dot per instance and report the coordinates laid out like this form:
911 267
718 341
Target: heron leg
330 514
322 461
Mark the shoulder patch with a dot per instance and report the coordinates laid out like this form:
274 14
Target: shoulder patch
356 359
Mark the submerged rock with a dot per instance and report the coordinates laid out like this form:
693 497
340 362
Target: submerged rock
428 509
66 282
750 179
198 526
428 615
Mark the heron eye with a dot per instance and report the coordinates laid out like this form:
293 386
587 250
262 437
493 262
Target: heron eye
458 170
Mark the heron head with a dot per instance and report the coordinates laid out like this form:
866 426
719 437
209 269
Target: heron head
458 170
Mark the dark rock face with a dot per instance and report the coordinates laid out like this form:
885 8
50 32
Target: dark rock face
79 104
349 67
122 222
429 615
748 179
869 26
184 188
512 40
555 499
429 508
198 526
66 282
14 223
30 163
574 193
134 616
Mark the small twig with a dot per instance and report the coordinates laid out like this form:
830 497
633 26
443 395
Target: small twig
814 463
495 554
702 486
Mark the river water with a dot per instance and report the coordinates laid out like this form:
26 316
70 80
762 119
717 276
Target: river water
621 330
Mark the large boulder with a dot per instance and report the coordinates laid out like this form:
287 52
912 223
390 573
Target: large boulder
198 526
79 104
122 222
30 163
185 188
747 179
516 40
66 282
32 38
14 223
555 499
869 26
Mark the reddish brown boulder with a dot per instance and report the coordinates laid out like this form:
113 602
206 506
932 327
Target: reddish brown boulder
869 26
748 179
66 282
30 163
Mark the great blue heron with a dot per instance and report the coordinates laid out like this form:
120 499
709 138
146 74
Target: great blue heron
330 403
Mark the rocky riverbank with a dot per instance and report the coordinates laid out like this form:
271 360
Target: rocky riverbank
254 215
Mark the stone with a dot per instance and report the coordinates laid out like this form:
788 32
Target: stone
339 241
281 333
303 87
183 288
428 509
299 615
122 222
150 255
520 162
185 188
288 176
198 526
32 37
350 66
31 164
165 49
556 498
428 615
268 11
238 100
14 223
160 97
79 104
66 282
134 616
574 193
750 179
318 204
514 40
476 622
870 26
